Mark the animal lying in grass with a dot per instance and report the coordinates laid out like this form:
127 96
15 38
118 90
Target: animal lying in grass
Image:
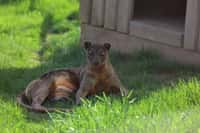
95 77
54 85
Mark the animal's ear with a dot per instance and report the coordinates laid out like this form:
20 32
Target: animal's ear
107 46
87 45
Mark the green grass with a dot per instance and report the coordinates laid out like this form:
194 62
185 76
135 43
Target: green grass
38 36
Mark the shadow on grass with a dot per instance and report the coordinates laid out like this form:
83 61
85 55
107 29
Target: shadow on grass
143 72
146 71
9 1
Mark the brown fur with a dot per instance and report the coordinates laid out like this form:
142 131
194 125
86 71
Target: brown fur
56 85
97 76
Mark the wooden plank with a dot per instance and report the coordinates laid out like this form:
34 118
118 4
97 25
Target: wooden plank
98 8
125 11
85 11
199 41
128 44
158 31
192 24
110 14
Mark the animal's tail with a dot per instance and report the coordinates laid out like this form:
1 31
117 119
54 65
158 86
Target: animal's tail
24 102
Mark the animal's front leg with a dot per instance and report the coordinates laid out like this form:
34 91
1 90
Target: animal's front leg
86 85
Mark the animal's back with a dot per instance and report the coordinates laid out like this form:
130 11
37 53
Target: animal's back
65 84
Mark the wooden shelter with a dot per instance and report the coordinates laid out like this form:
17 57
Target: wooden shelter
171 27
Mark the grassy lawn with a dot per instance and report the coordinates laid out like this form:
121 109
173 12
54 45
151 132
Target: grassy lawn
36 37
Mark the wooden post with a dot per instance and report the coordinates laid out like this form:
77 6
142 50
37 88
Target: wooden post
125 11
192 24
85 11
110 14
199 41
98 8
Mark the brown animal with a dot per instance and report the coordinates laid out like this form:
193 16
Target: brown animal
97 76
54 85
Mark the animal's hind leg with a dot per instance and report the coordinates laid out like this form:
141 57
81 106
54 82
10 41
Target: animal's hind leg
40 95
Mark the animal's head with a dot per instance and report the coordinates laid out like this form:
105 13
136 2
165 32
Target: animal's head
97 55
